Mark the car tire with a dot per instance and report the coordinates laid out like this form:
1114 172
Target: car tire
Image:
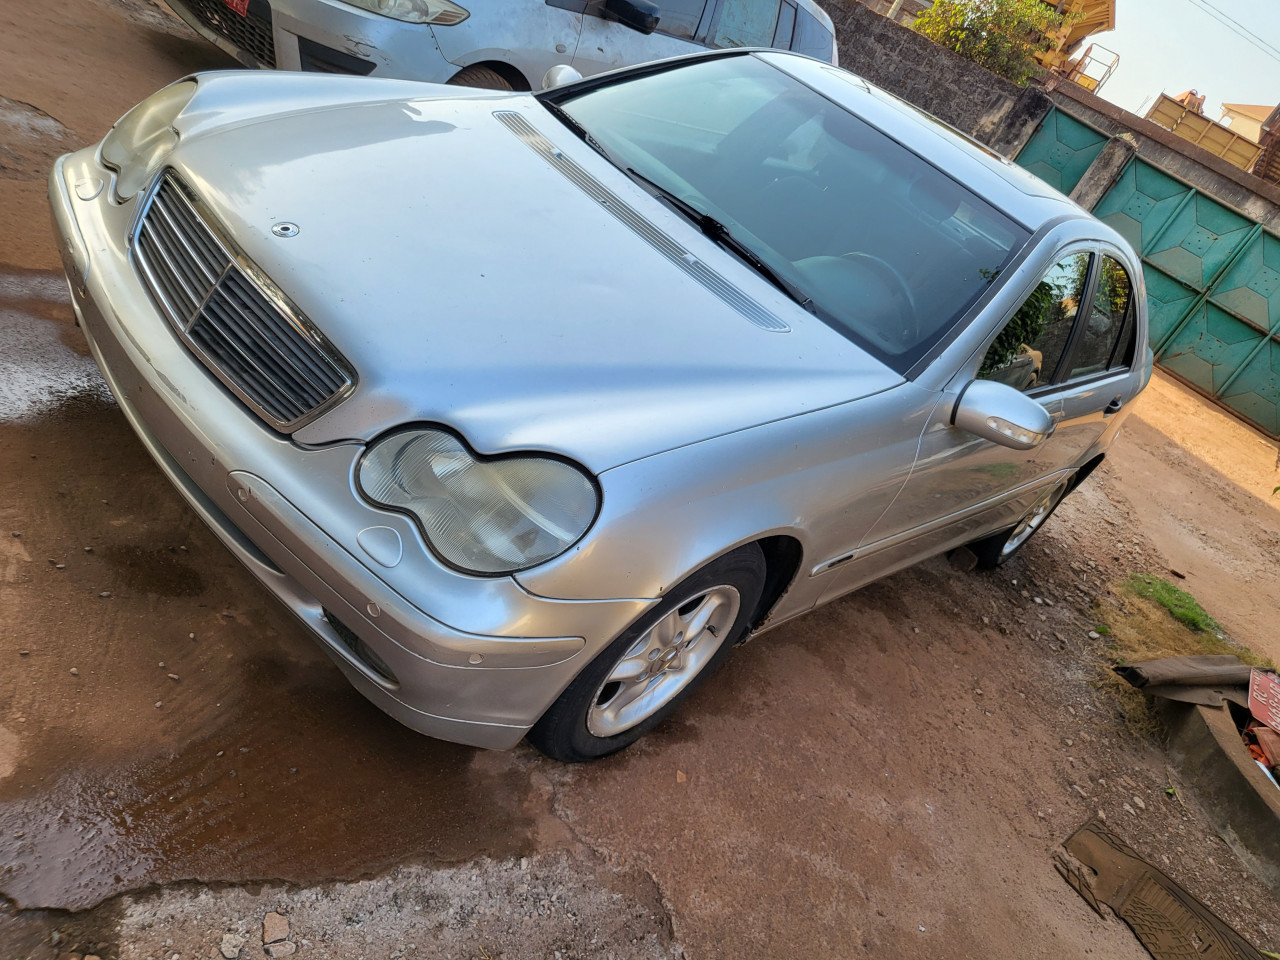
999 548
478 76
644 674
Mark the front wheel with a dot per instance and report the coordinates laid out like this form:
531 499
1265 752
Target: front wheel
478 76
639 679
996 549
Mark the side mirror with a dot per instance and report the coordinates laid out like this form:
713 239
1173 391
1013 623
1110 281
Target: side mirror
559 75
639 15
1003 415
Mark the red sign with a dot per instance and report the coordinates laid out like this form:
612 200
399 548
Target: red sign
1264 698
239 6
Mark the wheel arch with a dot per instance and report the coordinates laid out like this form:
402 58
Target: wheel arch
782 557
1084 471
509 73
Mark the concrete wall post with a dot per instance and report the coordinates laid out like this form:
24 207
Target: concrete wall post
1104 171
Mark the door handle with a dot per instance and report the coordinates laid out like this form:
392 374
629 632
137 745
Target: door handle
1113 407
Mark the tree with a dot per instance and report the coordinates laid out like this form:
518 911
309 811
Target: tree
1002 35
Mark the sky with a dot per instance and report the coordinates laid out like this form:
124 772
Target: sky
1177 45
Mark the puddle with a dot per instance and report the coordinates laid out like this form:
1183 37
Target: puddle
38 371
31 140
304 783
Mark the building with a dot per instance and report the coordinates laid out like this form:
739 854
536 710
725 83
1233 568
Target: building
1090 17
1246 119
1268 165
1184 115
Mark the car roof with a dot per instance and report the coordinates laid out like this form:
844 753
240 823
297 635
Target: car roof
1018 193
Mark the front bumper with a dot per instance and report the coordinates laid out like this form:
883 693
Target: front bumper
262 495
332 36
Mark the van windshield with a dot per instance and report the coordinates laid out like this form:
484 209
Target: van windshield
879 243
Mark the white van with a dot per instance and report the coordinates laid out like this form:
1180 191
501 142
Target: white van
508 44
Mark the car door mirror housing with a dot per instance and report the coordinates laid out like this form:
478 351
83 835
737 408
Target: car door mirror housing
1003 415
639 15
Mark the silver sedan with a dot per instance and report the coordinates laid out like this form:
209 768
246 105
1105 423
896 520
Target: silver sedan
532 407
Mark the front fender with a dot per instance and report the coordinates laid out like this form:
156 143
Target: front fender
822 478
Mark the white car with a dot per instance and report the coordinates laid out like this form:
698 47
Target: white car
505 45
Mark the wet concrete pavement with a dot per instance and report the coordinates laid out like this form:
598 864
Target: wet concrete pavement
885 777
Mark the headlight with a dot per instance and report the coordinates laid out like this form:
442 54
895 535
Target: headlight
483 516
141 140
440 12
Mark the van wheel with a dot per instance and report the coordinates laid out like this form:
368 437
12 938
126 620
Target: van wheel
478 76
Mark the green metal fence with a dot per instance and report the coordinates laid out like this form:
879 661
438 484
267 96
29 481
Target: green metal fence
1061 150
1212 274
1213 288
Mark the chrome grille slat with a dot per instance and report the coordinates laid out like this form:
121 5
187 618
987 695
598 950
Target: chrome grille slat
283 334
203 262
161 285
236 363
185 219
242 338
234 321
182 278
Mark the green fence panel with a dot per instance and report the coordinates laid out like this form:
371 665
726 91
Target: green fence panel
1198 241
1141 203
1167 303
1061 150
1255 391
1210 348
1212 274
1251 287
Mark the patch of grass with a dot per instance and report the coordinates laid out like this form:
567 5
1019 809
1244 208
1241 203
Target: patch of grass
1181 605
1139 619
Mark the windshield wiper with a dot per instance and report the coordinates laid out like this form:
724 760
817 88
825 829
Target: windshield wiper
721 234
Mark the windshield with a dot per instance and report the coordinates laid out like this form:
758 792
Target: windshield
889 250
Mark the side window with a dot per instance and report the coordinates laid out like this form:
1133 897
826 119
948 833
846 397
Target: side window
1026 353
680 18
786 27
811 37
746 23
1100 335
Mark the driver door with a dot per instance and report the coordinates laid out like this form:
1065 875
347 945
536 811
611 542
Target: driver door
1072 361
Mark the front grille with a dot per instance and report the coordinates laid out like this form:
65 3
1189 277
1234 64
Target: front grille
318 58
270 357
250 33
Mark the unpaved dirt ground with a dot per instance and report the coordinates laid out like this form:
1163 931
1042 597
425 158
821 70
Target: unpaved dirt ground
886 777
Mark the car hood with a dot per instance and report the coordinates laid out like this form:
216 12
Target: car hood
471 283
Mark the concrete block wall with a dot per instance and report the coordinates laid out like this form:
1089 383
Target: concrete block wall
1003 115
969 97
